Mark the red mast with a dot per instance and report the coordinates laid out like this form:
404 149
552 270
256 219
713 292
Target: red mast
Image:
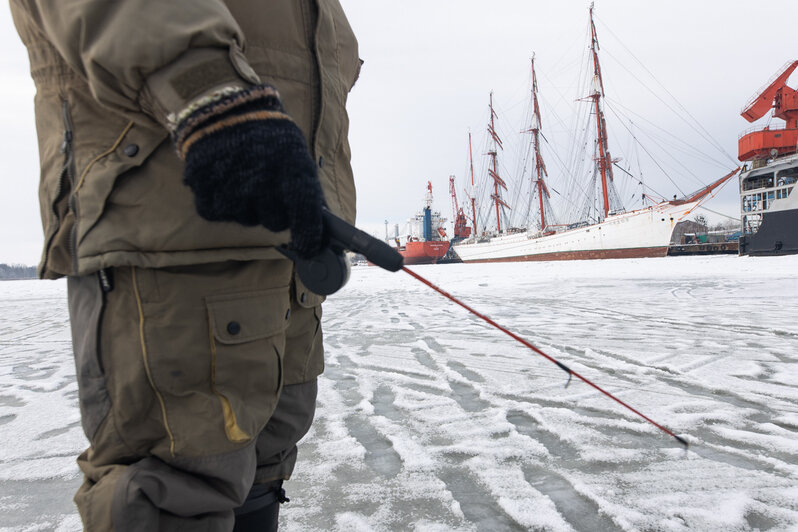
540 166
603 158
494 171
473 192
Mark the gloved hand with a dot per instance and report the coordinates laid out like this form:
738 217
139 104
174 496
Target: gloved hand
248 162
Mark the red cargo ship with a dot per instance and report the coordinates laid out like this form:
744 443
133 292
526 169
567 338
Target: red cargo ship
426 242
418 252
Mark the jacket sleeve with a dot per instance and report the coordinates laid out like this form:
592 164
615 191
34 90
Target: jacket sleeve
150 56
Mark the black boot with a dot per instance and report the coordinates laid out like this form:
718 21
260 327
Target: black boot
260 509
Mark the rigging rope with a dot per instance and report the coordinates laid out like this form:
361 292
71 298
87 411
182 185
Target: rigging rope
706 134
736 219
648 153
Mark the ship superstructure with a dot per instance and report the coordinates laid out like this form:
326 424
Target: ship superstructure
768 206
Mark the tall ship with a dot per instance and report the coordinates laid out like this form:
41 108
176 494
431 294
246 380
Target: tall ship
612 232
768 206
425 241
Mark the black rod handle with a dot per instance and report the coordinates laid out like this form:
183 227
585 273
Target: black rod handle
327 272
350 237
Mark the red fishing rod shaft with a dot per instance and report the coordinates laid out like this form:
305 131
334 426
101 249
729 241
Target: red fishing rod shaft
541 353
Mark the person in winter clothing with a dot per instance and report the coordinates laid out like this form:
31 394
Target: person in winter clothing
180 143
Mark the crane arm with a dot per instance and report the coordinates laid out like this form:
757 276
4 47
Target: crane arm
453 193
763 101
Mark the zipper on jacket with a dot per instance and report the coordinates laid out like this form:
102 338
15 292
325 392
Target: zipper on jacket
64 178
312 23
70 172
66 146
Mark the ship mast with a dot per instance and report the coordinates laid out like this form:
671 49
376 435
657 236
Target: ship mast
494 171
540 166
473 187
603 158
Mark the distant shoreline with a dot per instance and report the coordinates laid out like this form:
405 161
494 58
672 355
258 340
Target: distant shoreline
17 272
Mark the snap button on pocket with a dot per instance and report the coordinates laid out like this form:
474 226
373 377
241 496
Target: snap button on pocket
305 297
131 150
234 327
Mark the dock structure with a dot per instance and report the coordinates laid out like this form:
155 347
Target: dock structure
706 248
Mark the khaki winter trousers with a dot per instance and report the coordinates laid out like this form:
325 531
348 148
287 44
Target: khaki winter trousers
195 382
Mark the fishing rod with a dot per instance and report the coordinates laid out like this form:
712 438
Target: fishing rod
327 272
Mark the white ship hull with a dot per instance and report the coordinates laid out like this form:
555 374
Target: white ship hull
641 233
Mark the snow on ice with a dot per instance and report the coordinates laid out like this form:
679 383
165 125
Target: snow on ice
430 420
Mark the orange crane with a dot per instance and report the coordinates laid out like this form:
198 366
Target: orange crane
767 142
461 229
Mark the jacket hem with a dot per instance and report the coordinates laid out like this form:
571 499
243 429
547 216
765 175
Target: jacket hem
166 259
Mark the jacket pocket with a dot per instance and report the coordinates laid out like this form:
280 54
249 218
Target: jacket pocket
247 344
97 179
106 145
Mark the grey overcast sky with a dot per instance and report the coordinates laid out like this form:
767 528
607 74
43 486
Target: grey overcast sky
431 64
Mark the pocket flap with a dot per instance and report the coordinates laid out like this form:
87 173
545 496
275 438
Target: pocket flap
304 296
239 318
98 176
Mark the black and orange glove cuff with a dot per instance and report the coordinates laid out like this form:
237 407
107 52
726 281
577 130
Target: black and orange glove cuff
224 110
246 161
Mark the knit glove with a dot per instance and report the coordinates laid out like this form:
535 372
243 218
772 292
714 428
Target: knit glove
247 161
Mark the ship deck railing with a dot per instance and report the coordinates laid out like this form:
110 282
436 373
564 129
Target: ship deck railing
754 129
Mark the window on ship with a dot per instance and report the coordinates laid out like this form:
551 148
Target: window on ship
756 202
788 176
758 181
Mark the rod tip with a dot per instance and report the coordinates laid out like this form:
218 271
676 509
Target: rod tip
682 441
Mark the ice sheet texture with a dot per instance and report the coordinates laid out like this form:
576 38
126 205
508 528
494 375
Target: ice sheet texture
430 420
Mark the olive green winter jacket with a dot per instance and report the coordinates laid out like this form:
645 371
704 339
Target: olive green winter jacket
108 73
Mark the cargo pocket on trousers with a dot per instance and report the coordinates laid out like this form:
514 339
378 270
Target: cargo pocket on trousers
247 343
304 354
